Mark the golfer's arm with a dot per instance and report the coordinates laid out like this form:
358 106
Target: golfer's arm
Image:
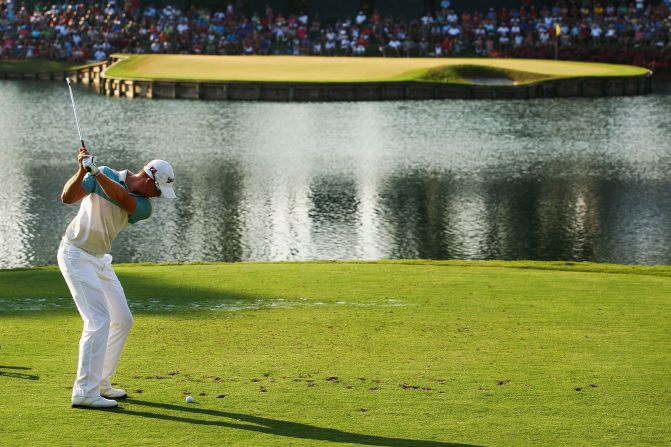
117 193
73 191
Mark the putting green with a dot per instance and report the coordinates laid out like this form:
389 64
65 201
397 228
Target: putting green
348 69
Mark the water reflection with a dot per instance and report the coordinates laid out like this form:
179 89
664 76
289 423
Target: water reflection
554 179
334 214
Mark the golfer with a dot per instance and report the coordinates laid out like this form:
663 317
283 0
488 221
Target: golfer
110 201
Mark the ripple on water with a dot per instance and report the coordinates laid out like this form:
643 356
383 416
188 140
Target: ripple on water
580 179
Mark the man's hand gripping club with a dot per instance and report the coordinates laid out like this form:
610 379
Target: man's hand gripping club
114 191
89 164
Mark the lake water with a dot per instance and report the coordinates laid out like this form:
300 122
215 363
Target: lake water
561 179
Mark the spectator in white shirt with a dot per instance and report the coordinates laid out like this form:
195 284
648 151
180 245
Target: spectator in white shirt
394 46
596 34
427 19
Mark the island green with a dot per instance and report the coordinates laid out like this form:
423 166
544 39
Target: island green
199 68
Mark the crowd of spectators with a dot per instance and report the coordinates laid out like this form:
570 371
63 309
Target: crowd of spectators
90 30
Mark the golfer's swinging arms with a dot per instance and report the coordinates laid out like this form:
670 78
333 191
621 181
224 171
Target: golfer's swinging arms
110 201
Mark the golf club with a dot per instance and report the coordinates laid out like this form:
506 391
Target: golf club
74 109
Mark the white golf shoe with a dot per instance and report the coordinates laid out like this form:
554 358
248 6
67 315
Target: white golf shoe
93 402
113 393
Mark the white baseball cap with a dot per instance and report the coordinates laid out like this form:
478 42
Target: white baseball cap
161 172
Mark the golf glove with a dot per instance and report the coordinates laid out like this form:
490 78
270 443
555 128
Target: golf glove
89 163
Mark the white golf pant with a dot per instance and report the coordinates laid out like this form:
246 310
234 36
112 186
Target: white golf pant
102 305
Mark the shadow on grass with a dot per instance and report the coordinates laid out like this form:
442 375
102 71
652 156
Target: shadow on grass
16 375
153 290
274 427
34 290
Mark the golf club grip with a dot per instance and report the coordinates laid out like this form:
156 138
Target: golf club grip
84 146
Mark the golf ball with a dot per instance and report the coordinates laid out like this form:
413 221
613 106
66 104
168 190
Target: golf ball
189 399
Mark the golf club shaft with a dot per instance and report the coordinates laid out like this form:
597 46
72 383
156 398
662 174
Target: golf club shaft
74 109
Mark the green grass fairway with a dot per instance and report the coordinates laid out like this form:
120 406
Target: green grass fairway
349 69
411 354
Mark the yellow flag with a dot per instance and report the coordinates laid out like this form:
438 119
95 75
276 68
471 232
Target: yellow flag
557 29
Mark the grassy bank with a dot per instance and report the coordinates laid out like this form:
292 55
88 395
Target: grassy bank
385 354
350 69
36 66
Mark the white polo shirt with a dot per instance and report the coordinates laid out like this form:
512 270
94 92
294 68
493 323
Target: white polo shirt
100 219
